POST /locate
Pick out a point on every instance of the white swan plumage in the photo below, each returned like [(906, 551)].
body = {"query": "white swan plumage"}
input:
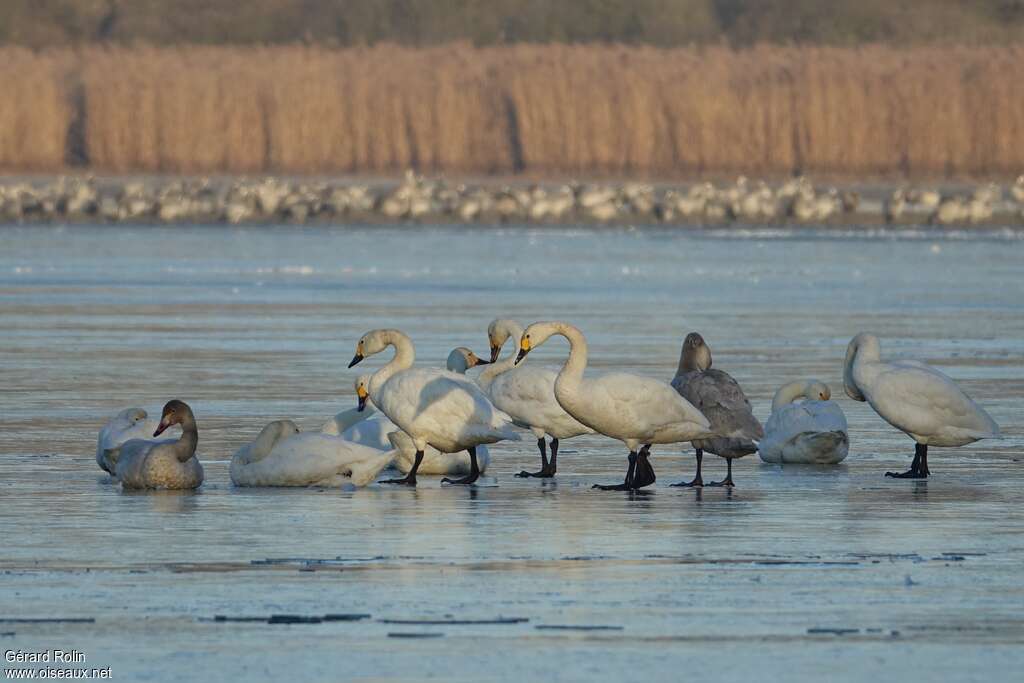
[(434, 407), (168, 464), (638, 411), (283, 456), (527, 394), (376, 428), (916, 399), (810, 431), (130, 423)]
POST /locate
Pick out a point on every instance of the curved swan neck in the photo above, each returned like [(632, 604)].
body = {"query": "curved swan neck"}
[(863, 349), (185, 446), (691, 359), (572, 371), (405, 356), (788, 393), (505, 329)]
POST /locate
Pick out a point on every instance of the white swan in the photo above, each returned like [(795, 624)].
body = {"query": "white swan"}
[(163, 464), (812, 431), (434, 461), (721, 399), (527, 394), (364, 425), (435, 407), (638, 411), (282, 456), (916, 399), (130, 423)]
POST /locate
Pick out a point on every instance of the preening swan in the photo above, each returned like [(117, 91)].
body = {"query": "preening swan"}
[(163, 464), (916, 399), (812, 431), (638, 411), (527, 394), (282, 456), (716, 394), (434, 407), (130, 423)]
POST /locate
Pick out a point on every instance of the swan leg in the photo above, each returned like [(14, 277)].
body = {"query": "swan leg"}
[(728, 477), (474, 471), (918, 467), (547, 469), (643, 475), (625, 485), (409, 479), (698, 481)]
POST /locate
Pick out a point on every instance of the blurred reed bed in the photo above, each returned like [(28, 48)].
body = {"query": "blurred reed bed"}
[(525, 108)]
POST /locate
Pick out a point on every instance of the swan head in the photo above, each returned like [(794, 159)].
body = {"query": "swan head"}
[(864, 345), (695, 355), (371, 343), (133, 415), (462, 359), (175, 412), (534, 335), (498, 332), (362, 387), (817, 391)]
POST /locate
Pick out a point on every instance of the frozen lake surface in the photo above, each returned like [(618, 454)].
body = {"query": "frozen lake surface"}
[(797, 574)]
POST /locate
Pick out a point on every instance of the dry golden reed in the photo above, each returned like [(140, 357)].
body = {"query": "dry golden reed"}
[(549, 109)]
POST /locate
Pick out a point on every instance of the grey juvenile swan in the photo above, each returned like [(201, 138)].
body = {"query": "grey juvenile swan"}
[(720, 398)]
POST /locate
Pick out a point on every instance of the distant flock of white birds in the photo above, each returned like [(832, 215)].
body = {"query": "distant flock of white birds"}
[(432, 421), (416, 198)]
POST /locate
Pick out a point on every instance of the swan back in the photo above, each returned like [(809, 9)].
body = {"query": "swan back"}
[(265, 442), (915, 398), (130, 423)]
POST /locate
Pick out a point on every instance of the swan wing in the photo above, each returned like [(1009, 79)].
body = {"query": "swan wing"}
[(719, 397), (920, 400), (443, 404), (307, 459), (642, 401)]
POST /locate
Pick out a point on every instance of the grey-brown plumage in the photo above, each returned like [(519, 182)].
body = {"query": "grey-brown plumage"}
[(720, 398)]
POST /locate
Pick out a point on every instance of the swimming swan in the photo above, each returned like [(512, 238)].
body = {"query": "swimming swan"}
[(916, 399), (435, 407), (716, 394), (633, 409), (527, 394), (282, 456), (130, 423), (163, 464), (812, 431)]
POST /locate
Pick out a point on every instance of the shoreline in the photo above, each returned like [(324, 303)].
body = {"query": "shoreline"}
[(293, 200)]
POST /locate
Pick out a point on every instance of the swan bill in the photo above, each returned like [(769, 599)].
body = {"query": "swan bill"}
[(355, 360)]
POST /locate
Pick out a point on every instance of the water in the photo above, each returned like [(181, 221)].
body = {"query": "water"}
[(922, 579)]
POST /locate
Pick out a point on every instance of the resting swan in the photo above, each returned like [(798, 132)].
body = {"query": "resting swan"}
[(916, 399), (435, 407), (527, 394), (281, 456), (812, 431), (633, 409), (163, 464), (719, 397), (131, 423)]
